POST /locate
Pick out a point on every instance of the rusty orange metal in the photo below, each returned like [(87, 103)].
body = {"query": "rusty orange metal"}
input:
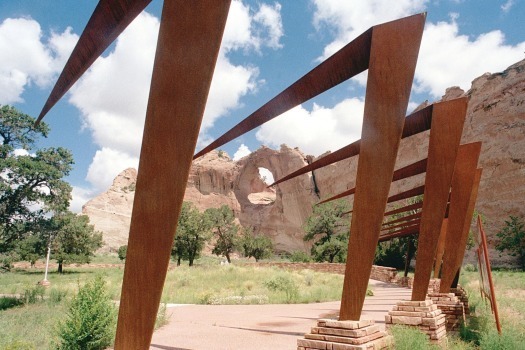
[(109, 19)]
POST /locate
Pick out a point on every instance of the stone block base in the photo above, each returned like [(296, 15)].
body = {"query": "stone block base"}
[(424, 315), (462, 296), (345, 335), (449, 304)]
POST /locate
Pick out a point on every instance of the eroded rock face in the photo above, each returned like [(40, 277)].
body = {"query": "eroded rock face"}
[(495, 116)]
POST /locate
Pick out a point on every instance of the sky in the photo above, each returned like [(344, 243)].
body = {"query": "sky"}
[(267, 45)]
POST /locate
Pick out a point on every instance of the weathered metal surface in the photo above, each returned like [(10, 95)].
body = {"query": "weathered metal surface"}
[(464, 194), (393, 56), (341, 66), (407, 231), (440, 248), (404, 218), (415, 123), (413, 169), (409, 207), (445, 135), (109, 19), (413, 192), (408, 222), (188, 46)]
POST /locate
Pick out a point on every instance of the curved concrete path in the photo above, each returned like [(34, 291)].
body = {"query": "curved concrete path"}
[(260, 327)]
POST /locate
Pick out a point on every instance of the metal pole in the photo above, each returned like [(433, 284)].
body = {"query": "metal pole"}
[(47, 262)]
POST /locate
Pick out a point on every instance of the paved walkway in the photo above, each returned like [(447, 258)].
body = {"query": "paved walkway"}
[(260, 327)]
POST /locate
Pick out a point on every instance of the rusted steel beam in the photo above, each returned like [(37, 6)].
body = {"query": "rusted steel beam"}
[(413, 169), (445, 136), (407, 231), (393, 56), (413, 192), (407, 222), (415, 123), (109, 19), (462, 207), (440, 248), (404, 218), (414, 206), (341, 66), (187, 49)]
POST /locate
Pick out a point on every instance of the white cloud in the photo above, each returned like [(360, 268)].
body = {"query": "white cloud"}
[(106, 165), (350, 18), (507, 6), (80, 197), (241, 152), (266, 175), (318, 130), (448, 58), (26, 59), (112, 95)]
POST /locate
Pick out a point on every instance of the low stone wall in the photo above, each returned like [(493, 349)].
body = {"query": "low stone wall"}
[(379, 273)]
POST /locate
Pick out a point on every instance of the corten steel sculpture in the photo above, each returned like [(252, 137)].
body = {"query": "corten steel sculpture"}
[(463, 200), (445, 136), (408, 231), (413, 169), (415, 123), (188, 45), (408, 222), (354, 58), (440, 250), (109, 19), (387, 93)]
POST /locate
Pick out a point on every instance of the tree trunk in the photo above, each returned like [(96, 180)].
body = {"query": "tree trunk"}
[(228, 258), (60, 267), (178, 261)]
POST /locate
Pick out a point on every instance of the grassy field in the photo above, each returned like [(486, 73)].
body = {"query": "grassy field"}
[(30, 321)]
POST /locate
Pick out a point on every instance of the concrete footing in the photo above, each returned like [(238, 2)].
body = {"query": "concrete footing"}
[(345, 335)]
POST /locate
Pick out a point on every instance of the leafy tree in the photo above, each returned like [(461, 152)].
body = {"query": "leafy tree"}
[(256, 246), (328, 227), (72, 238), (90, 321), (31, 248), (122, 252), (193, 231), (512, 239), (31, 185), (225, 230)]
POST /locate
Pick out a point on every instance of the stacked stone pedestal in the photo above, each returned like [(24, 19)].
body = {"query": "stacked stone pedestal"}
[(449, 304), (345, 335), (462, 296), (421, 314)]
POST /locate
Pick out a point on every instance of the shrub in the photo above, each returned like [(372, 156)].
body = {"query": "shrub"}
[(300, 256), (33, 294), (512, 239), (57, 295), (90, 320), (122, 251), (9, 302), (284, 284)]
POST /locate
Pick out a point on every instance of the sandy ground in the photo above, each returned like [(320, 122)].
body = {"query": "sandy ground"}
[(259, 327)]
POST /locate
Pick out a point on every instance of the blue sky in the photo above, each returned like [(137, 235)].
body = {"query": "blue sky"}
[(267, 46)]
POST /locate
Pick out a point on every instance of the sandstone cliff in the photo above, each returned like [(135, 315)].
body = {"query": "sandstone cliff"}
[(495, 116)]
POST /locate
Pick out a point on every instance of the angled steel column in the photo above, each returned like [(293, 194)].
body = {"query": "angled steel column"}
[(188, 46), (393, 56), (466, 189), (445, 135), (440, 248)]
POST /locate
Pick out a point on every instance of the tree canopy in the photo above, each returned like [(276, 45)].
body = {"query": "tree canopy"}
[(224, 229), (329, 228), (31, 184), (193, 231)]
